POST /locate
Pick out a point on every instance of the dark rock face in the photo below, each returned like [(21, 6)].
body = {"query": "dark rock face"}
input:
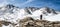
[(29, 10), (50, 10), (6, 23), (32, 8), (10, 6)]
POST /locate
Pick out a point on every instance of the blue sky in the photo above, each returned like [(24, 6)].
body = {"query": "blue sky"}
[(55, 4)]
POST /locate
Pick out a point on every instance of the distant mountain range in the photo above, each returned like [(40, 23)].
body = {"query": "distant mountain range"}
[(13, 14)]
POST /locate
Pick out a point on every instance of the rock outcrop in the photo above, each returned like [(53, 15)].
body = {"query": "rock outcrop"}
[(30, 22)]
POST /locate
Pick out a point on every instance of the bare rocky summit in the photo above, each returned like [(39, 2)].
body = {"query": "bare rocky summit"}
[(30, 22)]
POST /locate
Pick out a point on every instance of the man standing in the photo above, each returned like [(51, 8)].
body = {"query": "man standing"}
[(41, 17)]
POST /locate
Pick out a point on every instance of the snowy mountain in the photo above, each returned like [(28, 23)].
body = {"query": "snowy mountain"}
[(13, 14)]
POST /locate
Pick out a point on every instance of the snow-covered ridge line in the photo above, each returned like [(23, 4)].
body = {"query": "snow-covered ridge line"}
[(14, 14)]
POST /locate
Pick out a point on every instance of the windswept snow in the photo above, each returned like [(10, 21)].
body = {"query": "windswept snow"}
[(53, 18), (14, 14)]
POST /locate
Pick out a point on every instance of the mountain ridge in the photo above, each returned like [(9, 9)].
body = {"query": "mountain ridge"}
[(12, 13)]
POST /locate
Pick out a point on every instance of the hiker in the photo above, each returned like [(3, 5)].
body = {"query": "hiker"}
[(41, 17)]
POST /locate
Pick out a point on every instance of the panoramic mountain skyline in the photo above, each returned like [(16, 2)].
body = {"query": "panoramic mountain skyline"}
[(55, 4), (13, 12)]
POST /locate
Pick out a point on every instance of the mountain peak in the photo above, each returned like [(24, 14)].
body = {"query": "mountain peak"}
[(10, 6), (47, 9)]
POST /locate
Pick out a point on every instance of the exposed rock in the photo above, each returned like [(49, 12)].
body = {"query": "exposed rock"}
[(28, 22), (6, 23)]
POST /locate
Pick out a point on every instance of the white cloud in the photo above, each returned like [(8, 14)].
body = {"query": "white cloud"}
[(28, 1), (17, 4), (12, 0), (5, 2)]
